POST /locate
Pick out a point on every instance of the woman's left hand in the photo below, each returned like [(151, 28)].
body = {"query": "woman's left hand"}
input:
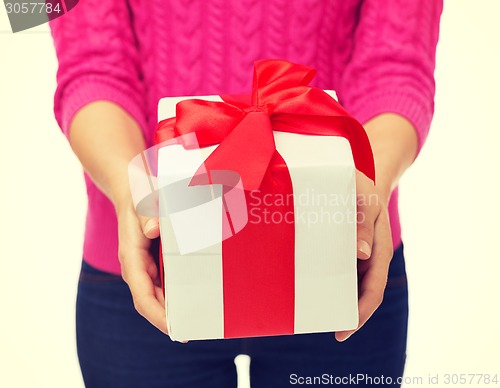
[(374, 248)]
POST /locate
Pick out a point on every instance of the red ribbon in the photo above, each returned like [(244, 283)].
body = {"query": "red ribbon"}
[(281, 100)]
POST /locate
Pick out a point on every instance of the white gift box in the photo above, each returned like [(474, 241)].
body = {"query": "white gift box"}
[(193, 220)]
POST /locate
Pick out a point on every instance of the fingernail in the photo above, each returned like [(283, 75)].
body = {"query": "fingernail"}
[(364, 247), (346, 337), (341, 338), (150, 225)]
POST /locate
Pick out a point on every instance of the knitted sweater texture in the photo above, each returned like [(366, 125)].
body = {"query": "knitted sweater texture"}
[(379, 56)]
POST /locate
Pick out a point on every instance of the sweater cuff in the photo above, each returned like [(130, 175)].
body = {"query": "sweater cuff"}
[(92, 88), (417, 112)]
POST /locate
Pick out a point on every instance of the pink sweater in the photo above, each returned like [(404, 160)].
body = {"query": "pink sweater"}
[(379, 55)]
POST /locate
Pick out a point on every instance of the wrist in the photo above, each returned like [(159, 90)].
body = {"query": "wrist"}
[(394, 144), (121, 199), (384, 191), (105, 138)]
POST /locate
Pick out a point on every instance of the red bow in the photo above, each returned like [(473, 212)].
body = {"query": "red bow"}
[(281, 100)]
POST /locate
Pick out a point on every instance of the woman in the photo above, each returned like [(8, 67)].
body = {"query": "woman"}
[(117, 58)]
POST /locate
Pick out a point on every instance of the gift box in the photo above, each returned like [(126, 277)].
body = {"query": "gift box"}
[(257, 209)]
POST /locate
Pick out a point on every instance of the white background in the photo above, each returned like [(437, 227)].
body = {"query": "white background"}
[(449, 206)]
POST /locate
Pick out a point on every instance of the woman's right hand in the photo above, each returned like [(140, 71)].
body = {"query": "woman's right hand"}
[(105, 138), (138, 267)]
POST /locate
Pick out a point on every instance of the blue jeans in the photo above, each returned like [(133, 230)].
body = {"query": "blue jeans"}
[(118, 348)]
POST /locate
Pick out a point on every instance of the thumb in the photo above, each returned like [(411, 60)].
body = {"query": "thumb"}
[(150, 227), (365, 241), (366, 214), (366, 217)]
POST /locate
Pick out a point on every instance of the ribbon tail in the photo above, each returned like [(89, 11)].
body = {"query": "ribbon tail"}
[(165, 130), (247, 150)]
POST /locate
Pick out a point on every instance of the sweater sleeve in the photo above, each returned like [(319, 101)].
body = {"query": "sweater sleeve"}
[(393, 61), (98, 60)]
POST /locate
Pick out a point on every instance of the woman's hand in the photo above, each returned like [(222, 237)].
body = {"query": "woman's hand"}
[(394, 144), (138, 267), (374, 248), (105, 138)]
